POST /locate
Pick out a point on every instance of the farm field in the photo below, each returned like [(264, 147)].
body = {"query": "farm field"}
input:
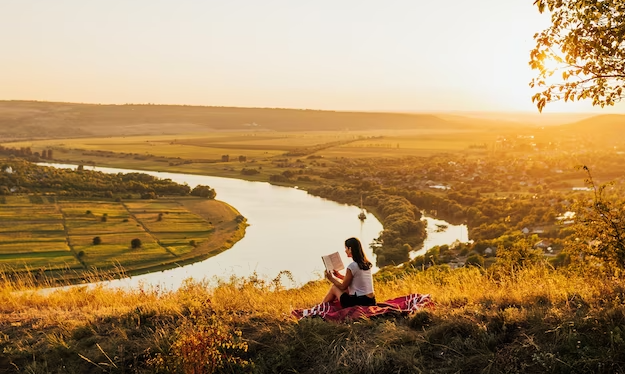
[(57, 236), (264, 151), (266, 144)]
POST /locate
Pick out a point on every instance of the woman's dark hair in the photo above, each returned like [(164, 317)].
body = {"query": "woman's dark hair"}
[(358, 255)]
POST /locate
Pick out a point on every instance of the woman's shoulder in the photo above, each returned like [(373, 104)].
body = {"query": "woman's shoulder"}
[(353, 266)]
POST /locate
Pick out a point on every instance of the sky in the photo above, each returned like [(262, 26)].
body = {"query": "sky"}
[(397, 55)]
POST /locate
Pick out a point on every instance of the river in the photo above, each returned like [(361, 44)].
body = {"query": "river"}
[(288, 230)]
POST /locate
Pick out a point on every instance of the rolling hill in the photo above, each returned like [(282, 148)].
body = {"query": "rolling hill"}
[(31, 119)]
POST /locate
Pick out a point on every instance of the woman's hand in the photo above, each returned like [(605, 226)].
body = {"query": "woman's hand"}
[(337, 274), (329, 276)]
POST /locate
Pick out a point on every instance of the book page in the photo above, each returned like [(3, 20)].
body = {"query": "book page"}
[(333, 262)]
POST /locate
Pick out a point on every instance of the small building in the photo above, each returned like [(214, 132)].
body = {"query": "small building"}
[(543, 244)]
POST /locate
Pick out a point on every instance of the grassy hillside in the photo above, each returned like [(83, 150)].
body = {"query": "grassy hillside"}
[(531, 320), (27, 119)]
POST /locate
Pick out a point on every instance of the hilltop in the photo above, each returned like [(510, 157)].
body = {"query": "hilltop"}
[(533, 320)]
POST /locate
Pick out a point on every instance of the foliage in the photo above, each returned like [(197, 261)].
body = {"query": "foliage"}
[(475, 259), (87, 183), (515, 256), (135, 243), (97, 240), (586, 41), (203, 191), (149, 195), (250, 171), (203, 344), (600, 226)]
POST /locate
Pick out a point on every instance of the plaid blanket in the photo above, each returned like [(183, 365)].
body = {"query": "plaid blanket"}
[(399, 306)]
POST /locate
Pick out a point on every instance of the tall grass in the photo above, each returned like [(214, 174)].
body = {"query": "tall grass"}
[(533, 320)]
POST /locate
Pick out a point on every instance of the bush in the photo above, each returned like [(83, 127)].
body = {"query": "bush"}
[(97, 240), (474, 260), (149, 195), (204, 191), (251, 171), (135, 243)]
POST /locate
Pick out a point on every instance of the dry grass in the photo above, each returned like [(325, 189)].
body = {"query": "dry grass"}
[(536, 320)]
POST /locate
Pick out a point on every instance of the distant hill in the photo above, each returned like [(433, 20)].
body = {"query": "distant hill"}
[(607, 124), (519, 118), (32, 119)]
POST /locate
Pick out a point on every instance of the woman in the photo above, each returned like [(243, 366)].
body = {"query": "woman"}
[(356, 286)]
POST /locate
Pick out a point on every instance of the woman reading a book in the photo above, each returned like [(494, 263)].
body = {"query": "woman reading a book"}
[(356, 286)]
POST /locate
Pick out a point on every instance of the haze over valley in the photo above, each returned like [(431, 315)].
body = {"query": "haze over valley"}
[(172, 174)]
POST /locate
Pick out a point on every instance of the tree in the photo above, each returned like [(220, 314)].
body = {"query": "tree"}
[(135, 243), (585, 45), (97, 240), (599, 226), (204, 191)]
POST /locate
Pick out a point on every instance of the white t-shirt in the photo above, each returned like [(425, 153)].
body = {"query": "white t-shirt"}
[(362, 284)]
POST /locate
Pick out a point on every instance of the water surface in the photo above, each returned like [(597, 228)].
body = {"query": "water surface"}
[(289, 230)]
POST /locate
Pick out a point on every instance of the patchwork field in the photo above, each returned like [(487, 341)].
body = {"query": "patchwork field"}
[(258, 145), (55, 235)]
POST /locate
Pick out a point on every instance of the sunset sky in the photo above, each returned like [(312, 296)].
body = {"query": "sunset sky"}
[(398, 55)]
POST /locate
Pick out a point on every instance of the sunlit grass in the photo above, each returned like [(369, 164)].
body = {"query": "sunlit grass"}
[(534, 312)]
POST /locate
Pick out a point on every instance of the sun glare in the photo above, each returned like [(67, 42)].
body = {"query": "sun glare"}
[(551, 65)]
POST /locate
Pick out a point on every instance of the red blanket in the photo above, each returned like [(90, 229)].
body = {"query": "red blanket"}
[(333, 311)]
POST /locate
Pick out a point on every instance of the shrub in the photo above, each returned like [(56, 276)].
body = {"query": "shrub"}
[(136, 243), (97, 240), (204, 345), (474, 260), (149, 195), (204, 191)]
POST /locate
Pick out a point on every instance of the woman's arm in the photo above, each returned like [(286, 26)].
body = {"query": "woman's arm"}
[(338, 275), (344, 284)]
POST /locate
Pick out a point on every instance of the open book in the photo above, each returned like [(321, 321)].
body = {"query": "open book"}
[(333, 262)]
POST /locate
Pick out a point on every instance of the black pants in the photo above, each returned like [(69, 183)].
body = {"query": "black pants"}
[(348, 300)]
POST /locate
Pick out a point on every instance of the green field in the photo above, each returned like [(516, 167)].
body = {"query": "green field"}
[(58, 235)]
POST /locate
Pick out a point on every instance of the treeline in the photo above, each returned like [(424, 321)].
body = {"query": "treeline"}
[(19, 176), (26, 152)]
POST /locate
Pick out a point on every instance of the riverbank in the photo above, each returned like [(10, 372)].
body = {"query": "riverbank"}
[(283, 233)]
